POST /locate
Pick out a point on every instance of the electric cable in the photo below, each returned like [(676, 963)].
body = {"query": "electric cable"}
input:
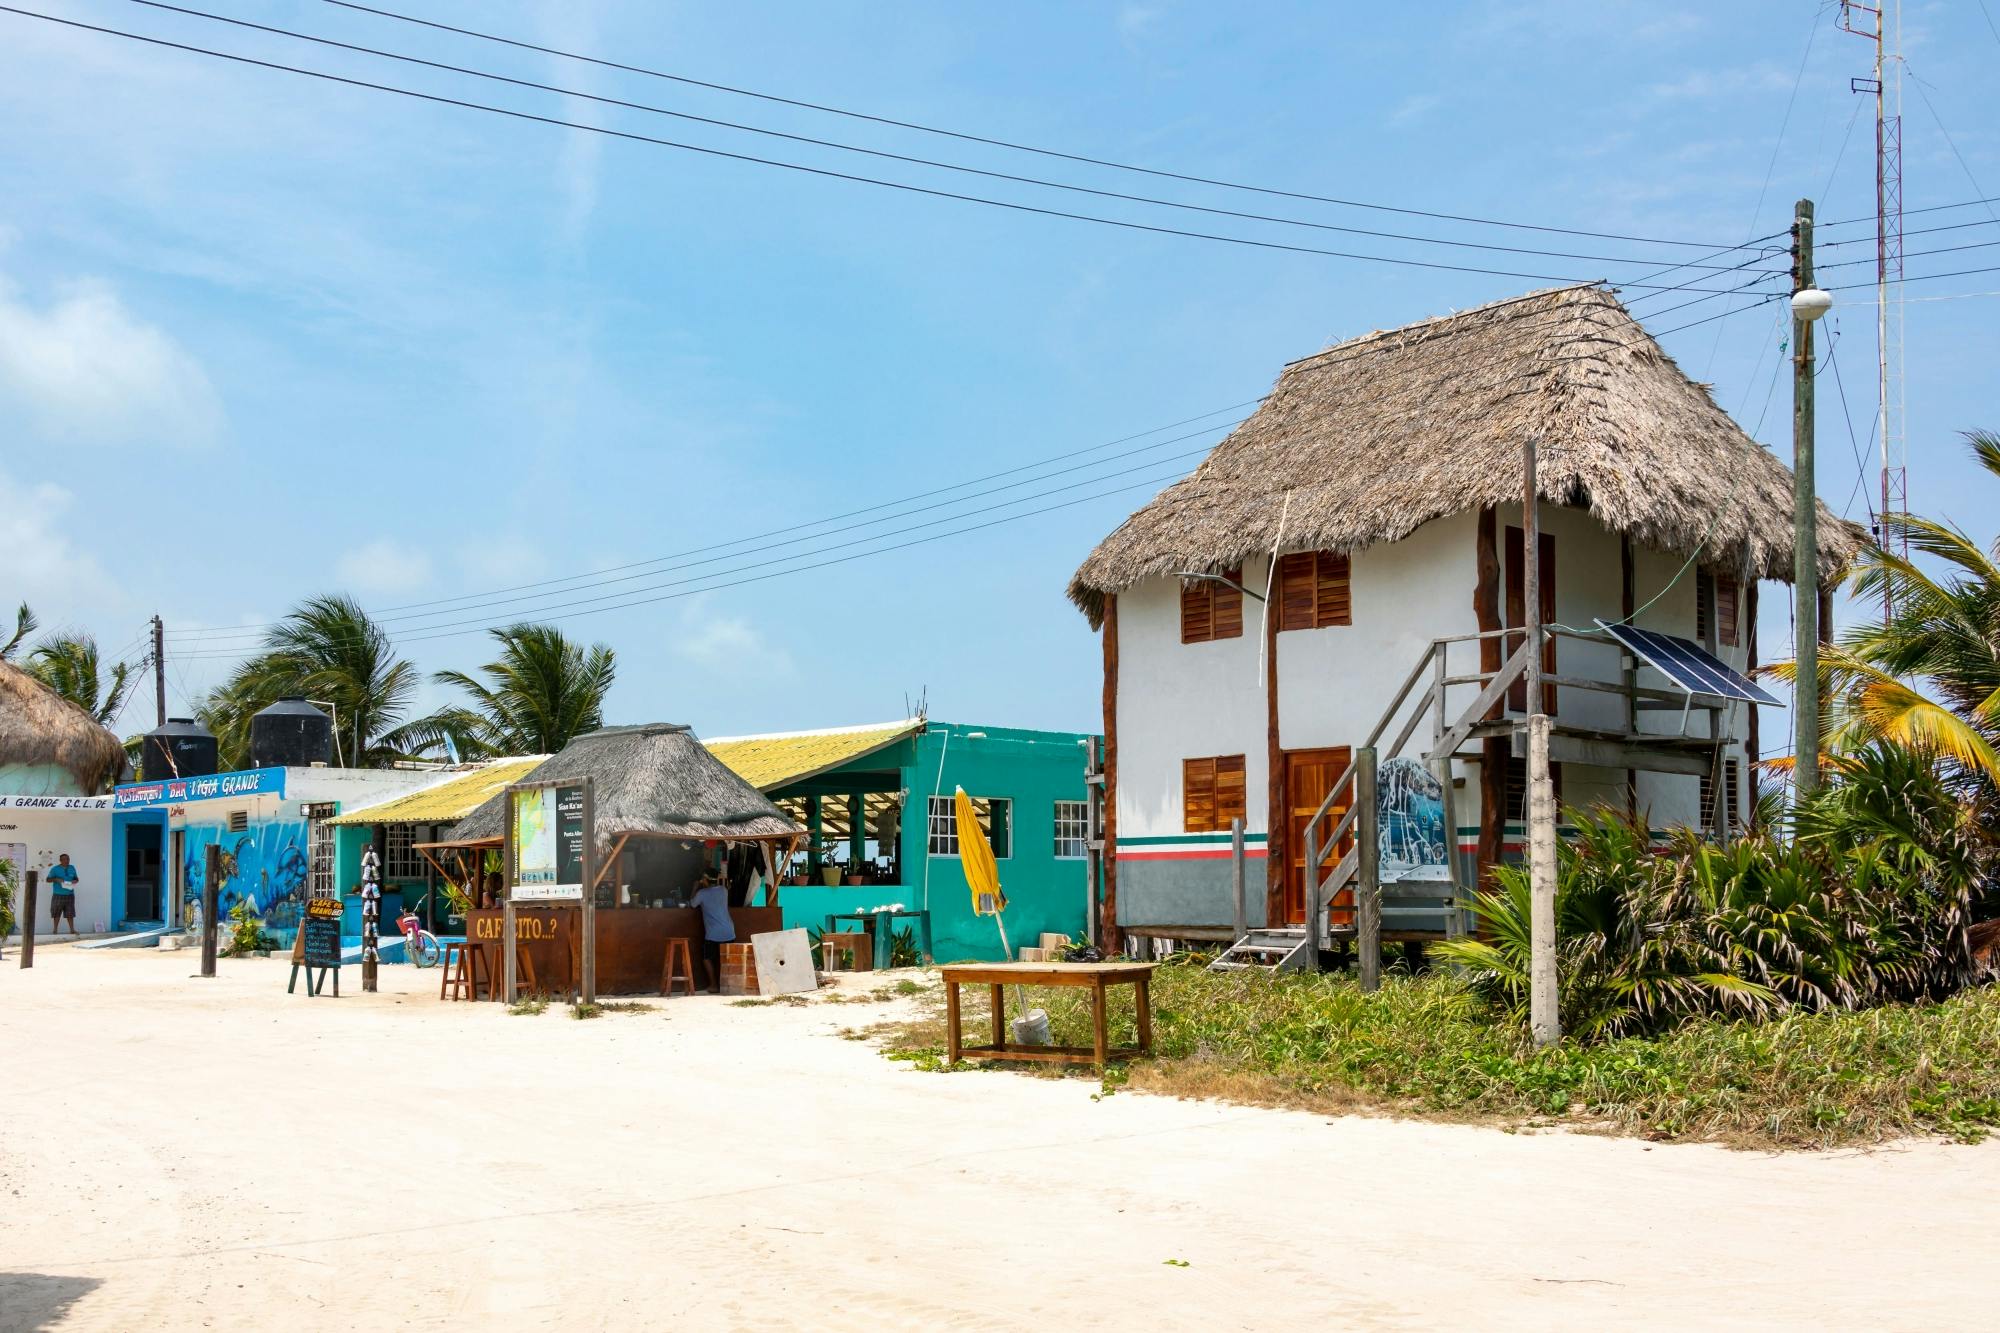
[(999, 143), (633, 136)]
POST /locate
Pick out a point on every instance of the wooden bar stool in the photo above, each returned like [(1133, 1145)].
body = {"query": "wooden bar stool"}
[(456, 983), (854, 945), (677, 963)]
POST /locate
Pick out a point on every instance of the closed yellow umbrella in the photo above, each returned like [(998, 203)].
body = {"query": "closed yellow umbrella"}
[(982, 872)]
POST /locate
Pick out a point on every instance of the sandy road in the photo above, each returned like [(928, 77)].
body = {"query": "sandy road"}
[(185, 1154)]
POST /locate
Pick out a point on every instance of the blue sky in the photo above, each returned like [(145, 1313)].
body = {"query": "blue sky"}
[(263, 336)]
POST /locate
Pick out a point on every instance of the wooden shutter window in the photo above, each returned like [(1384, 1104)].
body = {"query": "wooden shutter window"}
[(1213, 792), (1728, 596), (1314, 590), (1211, 610)]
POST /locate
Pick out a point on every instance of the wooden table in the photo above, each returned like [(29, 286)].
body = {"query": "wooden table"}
[(1099, 977)]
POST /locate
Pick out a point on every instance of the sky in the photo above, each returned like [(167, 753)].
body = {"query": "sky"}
[(264, 336)]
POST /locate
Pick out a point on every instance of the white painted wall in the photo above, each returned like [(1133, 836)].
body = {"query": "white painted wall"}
[(1185, 701), (45, 834)]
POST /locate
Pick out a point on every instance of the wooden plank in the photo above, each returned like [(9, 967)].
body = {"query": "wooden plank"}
[(1099, 1026), (1112, 937), (1050, 1054), (1142, 1000), (1611, 754), (999, 1015), (952, 1040), (1045, 974)]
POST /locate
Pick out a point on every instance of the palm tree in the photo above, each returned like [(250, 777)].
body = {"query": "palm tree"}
[(1928, 677), (542, 691), (70, 665), (329, 650), (24, 625)]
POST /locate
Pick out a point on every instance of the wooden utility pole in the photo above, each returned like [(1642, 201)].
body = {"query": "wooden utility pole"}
[(159, 675), (1544, 1019), (1805, 522), (28, 910), (211, 893)]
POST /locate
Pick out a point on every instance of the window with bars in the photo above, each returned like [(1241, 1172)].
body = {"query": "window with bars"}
[(1732, 795), (319, 858), (400, 858), (1728, 598), (996, 819), (1212, 610), (1213, 792), (1314, 590), (1072, 830)]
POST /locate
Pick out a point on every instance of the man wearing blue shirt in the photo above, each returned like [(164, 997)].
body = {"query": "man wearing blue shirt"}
[(711, 896), (62, 895)]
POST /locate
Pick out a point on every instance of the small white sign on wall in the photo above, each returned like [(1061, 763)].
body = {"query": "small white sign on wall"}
[(784, 962)]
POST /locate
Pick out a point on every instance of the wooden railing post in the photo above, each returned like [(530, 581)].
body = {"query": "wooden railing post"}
[(29, 909), (1368, 874), (1312, 896), (1236, 876)]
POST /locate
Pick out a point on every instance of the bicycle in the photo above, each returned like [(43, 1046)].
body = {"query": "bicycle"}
[(419, 945)]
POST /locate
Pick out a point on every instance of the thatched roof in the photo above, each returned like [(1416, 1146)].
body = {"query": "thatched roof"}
[(44, 738), (1379, 435), (649, 779)]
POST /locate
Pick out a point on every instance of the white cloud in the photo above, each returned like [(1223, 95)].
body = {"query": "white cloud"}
[(84, 368), (1703, 84), (1134, 21), (1413, 109), (49, 563), (384, 565), (727, 645)]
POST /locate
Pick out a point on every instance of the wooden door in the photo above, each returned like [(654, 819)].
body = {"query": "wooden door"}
[(1309, 776), (1517, 613)]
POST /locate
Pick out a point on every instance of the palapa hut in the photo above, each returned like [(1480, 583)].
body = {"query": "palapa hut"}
[(666, 811), (49, 746), (1385, 476)]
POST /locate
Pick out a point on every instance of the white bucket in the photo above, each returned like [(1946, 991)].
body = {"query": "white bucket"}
[(1032, 1028)]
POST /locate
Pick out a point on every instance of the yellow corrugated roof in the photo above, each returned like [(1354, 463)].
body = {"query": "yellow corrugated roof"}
[(444, 802), (782, 758)]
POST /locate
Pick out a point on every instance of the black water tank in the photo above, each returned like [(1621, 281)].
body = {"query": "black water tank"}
[(291, 733), (181, 748)]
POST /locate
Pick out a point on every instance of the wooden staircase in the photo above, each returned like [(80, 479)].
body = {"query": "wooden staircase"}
[(1281, 949)]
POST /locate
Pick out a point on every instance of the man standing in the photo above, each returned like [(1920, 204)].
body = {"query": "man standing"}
[(62, 895), (711, 897)]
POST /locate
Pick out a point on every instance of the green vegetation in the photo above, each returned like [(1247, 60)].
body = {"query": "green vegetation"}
[(1430, 1046), (246, 931), (543, 691), (9, 885), (71, 665), (528, 1006)]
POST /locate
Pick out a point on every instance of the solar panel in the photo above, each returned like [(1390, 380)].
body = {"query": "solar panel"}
[(1689, 665)]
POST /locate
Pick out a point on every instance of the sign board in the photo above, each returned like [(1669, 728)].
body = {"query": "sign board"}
[(548, 843), (318, 946), (318, 809), (249, 782)]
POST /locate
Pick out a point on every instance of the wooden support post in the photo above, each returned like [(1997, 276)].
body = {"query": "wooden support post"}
[(1494, 749), (31, 908), (210, 894), (589, 916), (1368, 872), (1545, 1018), (1236, 878), (857, 833), (1453, 923), (815, 829), (510, 974), (1309, 888)]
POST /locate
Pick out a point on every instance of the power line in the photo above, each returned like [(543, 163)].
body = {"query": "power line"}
[(1919, 231), (999, 143), (906, 187), (1921, 277), (625, 599), (1908, 213), (889, 156), (1916, 254), (1847, 415)]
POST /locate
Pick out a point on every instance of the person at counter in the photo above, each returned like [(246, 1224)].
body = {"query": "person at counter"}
[(711, 898), (490, 896)]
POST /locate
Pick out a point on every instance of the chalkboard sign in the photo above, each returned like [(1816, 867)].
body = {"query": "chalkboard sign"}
[(318, 948)]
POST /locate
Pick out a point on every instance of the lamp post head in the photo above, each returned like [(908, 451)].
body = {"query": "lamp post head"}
[(1809, 303)]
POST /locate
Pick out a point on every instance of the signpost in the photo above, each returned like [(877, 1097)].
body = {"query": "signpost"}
[(318, 947), (211, 894), (550, 857)]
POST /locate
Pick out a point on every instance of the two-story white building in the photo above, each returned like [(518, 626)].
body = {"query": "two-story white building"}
[(1342, 569)]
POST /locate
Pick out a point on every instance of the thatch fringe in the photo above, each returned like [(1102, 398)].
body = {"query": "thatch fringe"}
[(1379, 435), (648, 779), (39, 729)]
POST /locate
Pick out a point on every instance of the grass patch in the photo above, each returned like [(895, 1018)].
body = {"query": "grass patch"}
[(528, 1005), (1426, 1046), (585, 1009), (626, 1007)]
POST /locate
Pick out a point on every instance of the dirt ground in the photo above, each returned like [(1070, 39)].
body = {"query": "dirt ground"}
[(178, 1153)]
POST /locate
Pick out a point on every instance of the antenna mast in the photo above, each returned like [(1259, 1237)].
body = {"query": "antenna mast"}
[(1887, 85)]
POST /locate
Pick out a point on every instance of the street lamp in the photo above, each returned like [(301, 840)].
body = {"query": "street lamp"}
[(1224, 580)]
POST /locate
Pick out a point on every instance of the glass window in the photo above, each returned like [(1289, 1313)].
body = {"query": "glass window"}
[(996, 818), (1072, 829)]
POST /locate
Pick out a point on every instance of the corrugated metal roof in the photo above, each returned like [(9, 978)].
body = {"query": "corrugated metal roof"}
[(444, 802), (781, 758)]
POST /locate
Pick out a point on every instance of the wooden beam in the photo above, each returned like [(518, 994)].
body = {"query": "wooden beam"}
[(1114, 940), (1493, 755), (1277, 834), (1610, 754)]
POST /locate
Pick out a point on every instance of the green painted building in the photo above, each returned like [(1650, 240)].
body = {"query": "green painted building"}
[(877, 802)]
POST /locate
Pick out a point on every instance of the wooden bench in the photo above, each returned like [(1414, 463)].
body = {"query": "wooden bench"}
[(1098, 977)]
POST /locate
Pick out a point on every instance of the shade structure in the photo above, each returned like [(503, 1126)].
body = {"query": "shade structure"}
[(49, 746)]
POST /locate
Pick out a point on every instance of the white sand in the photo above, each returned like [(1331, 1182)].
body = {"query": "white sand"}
[(189, 1154)]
